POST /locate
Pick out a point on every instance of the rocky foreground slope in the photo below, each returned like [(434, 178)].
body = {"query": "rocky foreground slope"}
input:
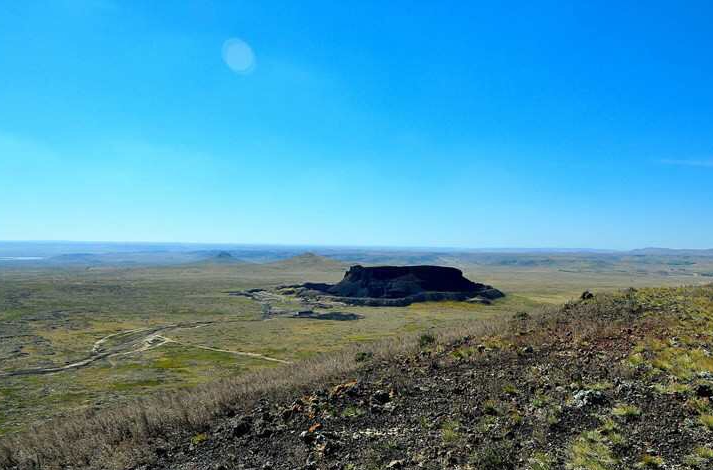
[(619, 381), (605, 383)]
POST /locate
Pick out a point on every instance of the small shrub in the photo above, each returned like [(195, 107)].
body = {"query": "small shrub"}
[(486, 424), (497, 456), (521, 316), (199, 438), (609, 426), (683, 363), (540, 461), (591, 451), (702, 458), (599, 386), (450, 432), (636, 359), (627, 411), (541, 400), (617, 439), (650, 461), (673, 388), (426, 339), (707, 421), (553, 415), (352, 412), (363, 356), (462, 353), (610, 429), (516, 417), (698, 405), (490, 407)]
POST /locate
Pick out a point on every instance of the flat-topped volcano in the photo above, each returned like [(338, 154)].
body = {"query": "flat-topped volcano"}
[(402, 285), (393, 282)]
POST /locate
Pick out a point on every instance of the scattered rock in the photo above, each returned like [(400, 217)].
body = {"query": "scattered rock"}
[(239, 426), (307, 437), (585, 398), (704, 390), (381, 397), (586, 295)]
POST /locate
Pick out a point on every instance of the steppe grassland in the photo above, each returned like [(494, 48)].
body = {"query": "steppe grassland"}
[(56, 317), (52, 317)]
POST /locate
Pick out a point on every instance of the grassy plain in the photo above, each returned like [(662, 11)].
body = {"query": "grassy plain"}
[(188, 330)]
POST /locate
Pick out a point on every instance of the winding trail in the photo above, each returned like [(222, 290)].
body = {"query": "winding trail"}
[(137, 340), (97, 345), (237, 353)]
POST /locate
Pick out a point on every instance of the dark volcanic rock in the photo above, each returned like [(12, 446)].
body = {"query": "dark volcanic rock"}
[(338, 316), (392, 282), (403, 285)]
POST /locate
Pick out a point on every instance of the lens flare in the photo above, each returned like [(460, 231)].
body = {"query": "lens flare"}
[(239, 56)]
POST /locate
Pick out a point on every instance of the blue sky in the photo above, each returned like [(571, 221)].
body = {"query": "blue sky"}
[(358, 123)]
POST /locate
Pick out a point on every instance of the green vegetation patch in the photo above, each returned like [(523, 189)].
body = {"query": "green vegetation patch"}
[(626, 411), (700, 459), (541, 461), (707, 421), (591, 451), (650, 461), (450, 432)]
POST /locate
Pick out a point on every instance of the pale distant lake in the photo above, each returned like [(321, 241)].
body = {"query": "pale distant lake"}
[(19, 258)]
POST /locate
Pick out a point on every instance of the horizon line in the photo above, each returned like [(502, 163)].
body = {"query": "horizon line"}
[(357, 246)]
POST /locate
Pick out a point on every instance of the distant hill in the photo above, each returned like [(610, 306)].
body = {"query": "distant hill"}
[(143, 258), (671, 252), (121, 254), (308, 261), (214, 257), (223, 255), (76, 258)]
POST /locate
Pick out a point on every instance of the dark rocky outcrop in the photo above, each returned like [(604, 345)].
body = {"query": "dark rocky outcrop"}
[(403, 285), (338, 316)]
